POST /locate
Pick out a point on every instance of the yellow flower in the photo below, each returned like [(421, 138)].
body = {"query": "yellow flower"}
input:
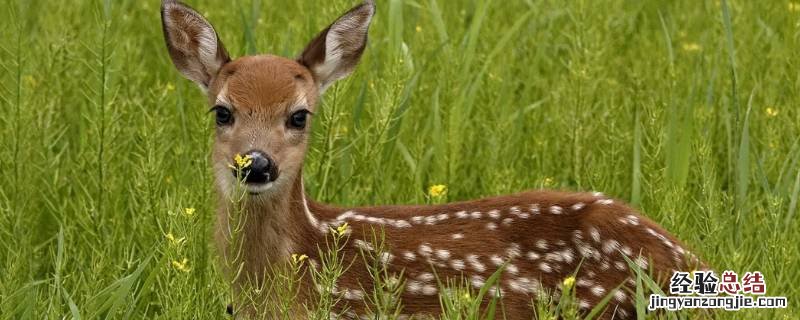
[(418, 28), (771, 112), (548, 181), (793, 6), (182, 266), (241, 162), (569, 282), (437, 190), (691, 47), (342, 229), (298, 258), (174, 241), (189, 212), (170, 86)]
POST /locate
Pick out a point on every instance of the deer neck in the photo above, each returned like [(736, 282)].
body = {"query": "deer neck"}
[(276, 225)]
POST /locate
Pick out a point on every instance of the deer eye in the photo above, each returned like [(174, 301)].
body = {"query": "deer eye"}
[(223, 114), (298, 119)]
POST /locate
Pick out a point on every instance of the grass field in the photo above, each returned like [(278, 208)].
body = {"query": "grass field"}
[(687, 109)]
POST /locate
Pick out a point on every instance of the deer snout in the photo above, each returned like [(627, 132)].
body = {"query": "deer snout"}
[(262, 169)]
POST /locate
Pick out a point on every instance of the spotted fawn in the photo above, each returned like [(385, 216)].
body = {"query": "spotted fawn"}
[(263, 106)]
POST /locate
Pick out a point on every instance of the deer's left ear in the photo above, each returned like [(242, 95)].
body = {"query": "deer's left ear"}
[(335, 52)]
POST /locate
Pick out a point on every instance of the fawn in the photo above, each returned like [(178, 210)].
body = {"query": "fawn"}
[(263, 106)]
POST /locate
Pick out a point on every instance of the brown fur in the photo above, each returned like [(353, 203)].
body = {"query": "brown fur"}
[(584, 234)]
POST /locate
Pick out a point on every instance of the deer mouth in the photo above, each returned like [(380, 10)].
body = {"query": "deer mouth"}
[(258, 188)]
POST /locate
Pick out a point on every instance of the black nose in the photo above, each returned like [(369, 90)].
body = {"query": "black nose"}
[(261, 170)]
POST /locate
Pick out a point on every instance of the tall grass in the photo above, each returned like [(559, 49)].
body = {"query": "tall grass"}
[(688, 109)]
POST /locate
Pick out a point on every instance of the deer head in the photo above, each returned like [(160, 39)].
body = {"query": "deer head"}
[(263, 104)]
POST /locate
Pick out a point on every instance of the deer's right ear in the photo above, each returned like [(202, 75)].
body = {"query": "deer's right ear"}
[(193, 44)]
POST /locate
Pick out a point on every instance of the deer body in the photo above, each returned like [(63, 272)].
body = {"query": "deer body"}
[(262, 105)]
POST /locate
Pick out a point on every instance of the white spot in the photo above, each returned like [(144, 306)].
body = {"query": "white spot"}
[(513, 251), (457, 264), (495, 291), (413, 286), (567, 255), (532, 255), (346, 215), (641, 262), (512, 269), (386, 257), (619, 265), (545, 267), (353, 294), (507, 221), (627, 250), (583, 304), (457, 236), (425, 277), (598, 291), (541, 244), (578, 206), (462, 214), (430, 220), (605, 265), (494, 214), (556, 210), (534, 208), (619, 295), (428, 290), (632, 219), (443, 254), (584, 283), (410, 256), (475, 263), (442, 216), (594, 234), (363, 245), (491, 226), (416, 219), (477, 281), (611, 246), (605, 202), (425, 250), (475, 215), (552, 256), (577, 235), (496, 259), (401, 224)]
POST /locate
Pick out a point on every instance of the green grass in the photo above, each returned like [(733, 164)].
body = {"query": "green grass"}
[(689, 109)]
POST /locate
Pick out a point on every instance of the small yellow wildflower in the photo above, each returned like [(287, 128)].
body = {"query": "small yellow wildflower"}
[(182, 266), (418, 28), (437, 190), (341, 230), (241, 162), (170, 86), (189, 211), (298, 258), (691, 47), (771, 112), (173, 240), (793, 6), (569, 282), (548, 181)]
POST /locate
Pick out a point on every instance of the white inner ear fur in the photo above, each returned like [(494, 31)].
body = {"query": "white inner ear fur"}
[(346, 34), (206, 53)]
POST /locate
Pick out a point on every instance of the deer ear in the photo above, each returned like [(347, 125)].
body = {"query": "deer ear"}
[(193, 44), (335, 52)]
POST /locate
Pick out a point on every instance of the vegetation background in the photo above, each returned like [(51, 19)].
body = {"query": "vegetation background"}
[(687, 109)]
